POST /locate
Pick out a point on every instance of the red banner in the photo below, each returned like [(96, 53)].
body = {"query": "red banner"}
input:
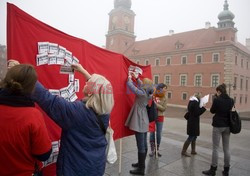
[(23, 34)]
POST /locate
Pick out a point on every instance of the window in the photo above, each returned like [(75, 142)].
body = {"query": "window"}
[(236, 60), (156, 79), (241, 99), (215, 57), (235, 83), (241, 83), (169, 95), (198, 59), (184, 60), (168, 61), (184, 96), (198, 80), (215, 80), (183, 79), (246, 85), (167, 79), (146, 62), (247, 65), (235, 99), (246, 99), (241, 63), (138, 61), (157, 62)]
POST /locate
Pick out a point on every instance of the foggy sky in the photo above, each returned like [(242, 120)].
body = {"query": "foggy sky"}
[(88, 19)]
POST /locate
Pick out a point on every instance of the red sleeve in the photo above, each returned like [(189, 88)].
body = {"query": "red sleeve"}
[(40, 141)]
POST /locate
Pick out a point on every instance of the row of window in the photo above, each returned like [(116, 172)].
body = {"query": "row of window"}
[(199, 59), (241, 62), (235, 86), (184, 96), (215, 80)]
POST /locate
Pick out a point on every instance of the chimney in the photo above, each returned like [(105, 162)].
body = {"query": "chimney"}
[(248, 43), (171, 32), (207, 25)]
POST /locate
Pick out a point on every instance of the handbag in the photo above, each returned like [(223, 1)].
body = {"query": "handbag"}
[(186, 116), (234, 122), (152, 111), (111, 150)]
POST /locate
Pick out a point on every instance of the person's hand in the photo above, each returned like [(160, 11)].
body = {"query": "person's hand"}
[(77, 67), (11, 63)]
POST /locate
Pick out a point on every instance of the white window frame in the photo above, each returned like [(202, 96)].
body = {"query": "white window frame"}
[(185, 79), (168, 58), (158, 79), (145, 62), (195, 80), (157, 59), (182, 60), (183, 94), (170, 77), (212, 79), (171, 94), (218, 57), (197, 58)]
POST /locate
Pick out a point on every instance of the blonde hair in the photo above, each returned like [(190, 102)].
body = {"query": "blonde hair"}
[(101, 98), (147, 83)]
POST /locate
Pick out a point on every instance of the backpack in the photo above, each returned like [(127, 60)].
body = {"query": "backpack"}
[(234, 122), (152, 111)]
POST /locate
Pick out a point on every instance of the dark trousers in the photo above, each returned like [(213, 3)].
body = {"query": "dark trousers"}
[(141, 142)]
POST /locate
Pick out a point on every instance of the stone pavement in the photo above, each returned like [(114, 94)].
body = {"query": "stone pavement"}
[(172, 163)]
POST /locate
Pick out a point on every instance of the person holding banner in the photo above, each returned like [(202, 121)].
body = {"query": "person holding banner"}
[(161, 104), (138, 118), (24, 140), (83, 143)]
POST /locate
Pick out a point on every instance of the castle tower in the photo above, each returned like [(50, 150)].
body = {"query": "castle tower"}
[(121, 27)]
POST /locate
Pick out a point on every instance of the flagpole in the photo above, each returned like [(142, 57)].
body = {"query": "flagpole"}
[(120, 158)]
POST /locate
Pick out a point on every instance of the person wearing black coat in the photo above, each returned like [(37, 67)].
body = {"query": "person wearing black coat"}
[(221, 107), (193, 124)]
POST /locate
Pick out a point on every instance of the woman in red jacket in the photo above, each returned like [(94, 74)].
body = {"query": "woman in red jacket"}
[(23, 136)]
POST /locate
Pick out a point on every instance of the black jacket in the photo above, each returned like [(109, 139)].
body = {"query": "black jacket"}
[(193, 123), (221, 107)]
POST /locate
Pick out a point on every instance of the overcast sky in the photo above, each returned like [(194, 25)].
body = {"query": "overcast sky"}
[(88, 19)]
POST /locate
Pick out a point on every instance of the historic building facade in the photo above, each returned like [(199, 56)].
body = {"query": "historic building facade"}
[(188, 62), (3, 67)]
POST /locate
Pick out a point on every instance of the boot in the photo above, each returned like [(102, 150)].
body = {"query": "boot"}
[(152, 145), (184, 149), (193, 144), (211, 171), (141, 165), (226, 171), (158, 146), (137, 164)]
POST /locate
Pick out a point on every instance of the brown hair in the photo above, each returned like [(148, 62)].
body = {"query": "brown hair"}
[(222, 88), (20, 79)]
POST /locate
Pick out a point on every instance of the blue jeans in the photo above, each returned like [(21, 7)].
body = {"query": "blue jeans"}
[(141, 142), (159, 126), (191, 138)]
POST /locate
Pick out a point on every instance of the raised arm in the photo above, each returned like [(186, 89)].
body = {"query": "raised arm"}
[(57, 108), (80, 69), (133, 88)]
